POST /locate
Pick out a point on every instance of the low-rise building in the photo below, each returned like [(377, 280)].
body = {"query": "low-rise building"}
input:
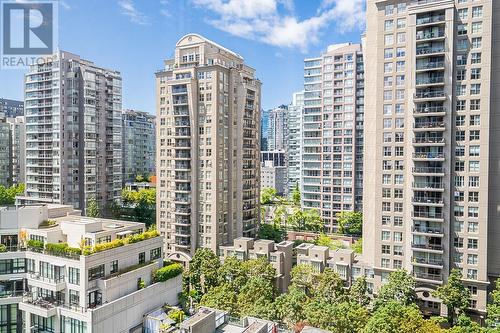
[(273, 177), (78, 274), (279, 255)]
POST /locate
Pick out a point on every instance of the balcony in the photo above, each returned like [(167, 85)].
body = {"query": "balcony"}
[(55, 283), (182, 211), (428, 170), (424, 51), (42, 306), (425, 110), (428, 214), (430, 19), (429, 95), (428, 200), (428, 230), (430, 34), (428, 156), (428, 277), (431, 247), (430, 65), (428, 140), (429, 81), (427, 261)]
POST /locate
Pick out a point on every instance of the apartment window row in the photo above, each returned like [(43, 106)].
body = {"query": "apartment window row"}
[(473, 166), (459, 181)]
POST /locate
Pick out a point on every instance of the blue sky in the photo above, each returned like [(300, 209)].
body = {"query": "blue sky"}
[(134, 36)]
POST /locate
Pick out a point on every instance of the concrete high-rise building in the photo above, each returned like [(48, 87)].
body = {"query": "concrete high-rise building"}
[(277, 136), (294, 147), (17, 149), (73, 132), (431, 153), (11, 108), (332, 132), (208, 148), (139, 142)]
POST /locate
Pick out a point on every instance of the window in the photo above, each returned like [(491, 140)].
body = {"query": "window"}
[(388, 53), (96, 272), (398, 250), (460, 121), (475, 74), (385, 262), (398, 221), (388, 25), (113, 267), (475, 104), (463, 13), (472, 227), (74, 275), (472, 274), (462, 29), (74, 297), (472, 244), (473, 181), (155, 253), (458, 242), (476, 58), (386, 235), (473, 196), (475, 120), (477, 42), (398, 237), (142, 257), (474, 135), (475, 89), (386, 249), (473, 212), (388, 39), (401, 23), (474, 166), (477, 12), (461, 74), (477, 27), (389, 9)]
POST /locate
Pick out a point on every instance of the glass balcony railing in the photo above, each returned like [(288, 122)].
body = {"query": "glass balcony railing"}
[(428, 140), (429, 50), (434, 247), (428, 185), (429, 94), (429, 80), (430, 65), (430, 19), (428, 155), (430, 109), (428, 261), (429, 124), (428, 170), (428, 215)]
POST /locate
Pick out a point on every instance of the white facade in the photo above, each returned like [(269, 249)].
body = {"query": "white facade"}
[(294, 145)]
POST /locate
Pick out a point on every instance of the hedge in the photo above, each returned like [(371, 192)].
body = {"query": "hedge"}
[(167, 272), (36, 244), (62, 249), (87, 250)]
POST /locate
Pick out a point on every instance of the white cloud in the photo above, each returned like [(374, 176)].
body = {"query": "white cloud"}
[(272, 21), (128, 9)]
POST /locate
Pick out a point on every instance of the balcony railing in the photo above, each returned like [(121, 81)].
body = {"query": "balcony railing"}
[(429, 94), (430, 109), (428, 170), (430, 50), (434, 247), (430, 65), (428, 140), (427, 276), (428, 155), (428, 261), (430, 80), (428, 230), (427, 200), (430, 19), (428, 215), (430, 35)]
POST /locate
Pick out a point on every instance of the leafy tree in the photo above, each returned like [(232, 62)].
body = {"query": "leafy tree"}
[(289, 307), (454, 295), (296, 195), (333, 244), (304, 277), (336, 317), (267, 195), (8, 194), (493, 316), (231, 272), (306, 220), (396, 317), (466, 325), (259, 267), (272, 232), (358, 246), (202, 274), (350, 223), (359, 291), (400, 287), (138, 206), (329, 287), (223, 297), (93, 208), (255, 297)]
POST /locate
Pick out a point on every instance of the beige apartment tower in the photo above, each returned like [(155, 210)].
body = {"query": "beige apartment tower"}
[(208, 105), (432, 159)]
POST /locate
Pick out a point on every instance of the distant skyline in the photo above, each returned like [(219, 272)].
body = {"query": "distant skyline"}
[(135, 36)]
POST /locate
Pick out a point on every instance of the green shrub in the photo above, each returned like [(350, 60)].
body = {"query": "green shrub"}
[(120, 242), (35, 244), (62, 249), (3, 248), (167, 272)]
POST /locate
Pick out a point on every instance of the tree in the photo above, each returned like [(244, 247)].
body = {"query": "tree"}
[(202, 274), (493, 316), (231, 272), (296, 195), (272, 232), (350, 223), (329, 287), (400, 287), (289, 307), (8, 194), (267, 195), (466, 325), (454, 295), (222, 297), (255, 297), (259, 267), (93, 208), (336, 317), (138, 206), (333, 244), (359, 291), (306, 220), (357, 247), (395, 317), (304, 277)]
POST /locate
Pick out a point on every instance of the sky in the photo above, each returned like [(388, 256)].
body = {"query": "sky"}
[(135, 36)]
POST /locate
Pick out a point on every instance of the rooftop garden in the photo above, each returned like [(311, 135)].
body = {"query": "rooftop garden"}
[(55, 249), (88, 250)]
